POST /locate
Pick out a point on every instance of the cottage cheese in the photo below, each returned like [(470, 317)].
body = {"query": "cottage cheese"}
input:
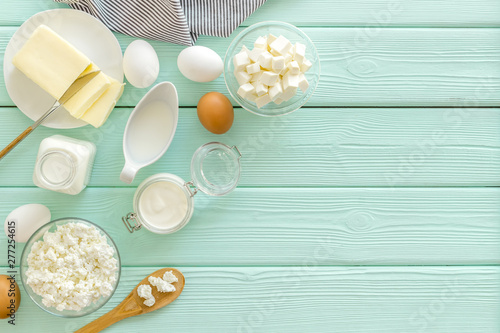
[(162, 284), (145, 291), (170, 277), (72, 267)]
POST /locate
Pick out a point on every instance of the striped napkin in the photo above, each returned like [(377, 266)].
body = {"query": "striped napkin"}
[(174, 21)]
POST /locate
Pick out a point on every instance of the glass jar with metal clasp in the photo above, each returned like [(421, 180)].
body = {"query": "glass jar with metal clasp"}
[(164, 203)]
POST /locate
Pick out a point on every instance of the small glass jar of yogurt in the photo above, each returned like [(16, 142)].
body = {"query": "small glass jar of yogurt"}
[(64, 164), (163, 203)]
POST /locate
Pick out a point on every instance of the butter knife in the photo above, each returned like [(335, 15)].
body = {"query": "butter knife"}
[(72, 90)]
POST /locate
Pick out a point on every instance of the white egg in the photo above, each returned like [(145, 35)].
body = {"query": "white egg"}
[(200, 64), (25, 220), (140, 64)]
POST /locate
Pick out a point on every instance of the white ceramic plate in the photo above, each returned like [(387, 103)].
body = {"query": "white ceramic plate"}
[(82, 30)]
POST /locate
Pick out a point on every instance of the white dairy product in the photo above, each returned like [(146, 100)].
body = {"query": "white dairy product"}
[(170, 277), (276, 70), (150, 129), (145, 291), (50, 61), (253, 68), (276, 91), (281, 45), (246, 89), (160, 284), (242, 77), (303, 83), (269, 78), (262, 100), (163, 205), (150, 301), (278, 64), (261, 43), (293, 67), (241, 60), (64, 164), (72, 267), (265, 60)]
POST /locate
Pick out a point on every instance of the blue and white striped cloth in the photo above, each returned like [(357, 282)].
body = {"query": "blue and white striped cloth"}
[(174, 21)]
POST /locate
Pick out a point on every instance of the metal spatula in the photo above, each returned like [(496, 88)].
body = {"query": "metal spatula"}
[(73, 89)]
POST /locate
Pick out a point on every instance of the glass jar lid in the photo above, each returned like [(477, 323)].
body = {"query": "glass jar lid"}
[(57, 168), (215, 168)]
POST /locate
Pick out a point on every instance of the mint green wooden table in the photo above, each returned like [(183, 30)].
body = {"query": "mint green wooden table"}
[(376, 208)]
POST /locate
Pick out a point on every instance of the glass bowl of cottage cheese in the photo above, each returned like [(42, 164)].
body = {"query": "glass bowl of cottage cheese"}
[(70, 267)]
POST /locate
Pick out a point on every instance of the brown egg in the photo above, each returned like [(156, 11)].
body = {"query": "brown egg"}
[(215, 112), (10, 297)]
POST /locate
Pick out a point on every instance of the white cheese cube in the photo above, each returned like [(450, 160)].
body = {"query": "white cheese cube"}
[(288, 93), (253, 68), (262, 100), (270, 38), (242, 77), (305, 66), (294, 67), (299, 52), (245, 49), (252, 97), (274, 53), (303, 83), (255, 53), (269, 78), (240, 61), (278, 101), (283, 71), (260, 88), (278, 64), (256, 77), (261, 43), (288, 58), (281, 45), (290, 80), (266, 60), (246, 90), (275, 91)]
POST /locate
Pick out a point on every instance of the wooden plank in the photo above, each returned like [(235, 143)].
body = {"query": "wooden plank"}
[(320, 226), (433, 13), (389, 67), (305, 299), (311, 147)]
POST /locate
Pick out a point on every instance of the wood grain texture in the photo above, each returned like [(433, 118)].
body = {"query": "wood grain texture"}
[(377, 67), (409, 226), (311, 147), (299, 299), (423, 13)]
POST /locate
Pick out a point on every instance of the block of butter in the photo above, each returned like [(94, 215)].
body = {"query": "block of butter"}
[(87, 95), (99, 112), (50, 61)]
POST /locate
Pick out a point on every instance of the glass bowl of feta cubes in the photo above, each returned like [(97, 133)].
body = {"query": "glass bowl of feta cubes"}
[(271, 68), (70, 267)]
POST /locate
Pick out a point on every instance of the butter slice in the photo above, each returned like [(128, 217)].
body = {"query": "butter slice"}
[(50, 61), (99, 112), (87, 95)]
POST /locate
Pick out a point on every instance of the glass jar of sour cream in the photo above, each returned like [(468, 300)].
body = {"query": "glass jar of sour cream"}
[(163, 203)]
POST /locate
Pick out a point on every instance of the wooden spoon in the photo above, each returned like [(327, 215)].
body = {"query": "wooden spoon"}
[(133, 305)]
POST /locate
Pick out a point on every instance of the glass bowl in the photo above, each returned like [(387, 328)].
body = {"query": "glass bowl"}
[(247, 37), (37, 236)]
